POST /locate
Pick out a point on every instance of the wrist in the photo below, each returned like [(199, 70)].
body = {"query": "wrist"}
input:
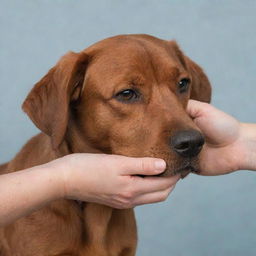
[(68, 177), (55, 175), (248, 147)]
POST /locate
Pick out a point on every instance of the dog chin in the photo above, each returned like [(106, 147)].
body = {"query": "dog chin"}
[(183, 170)]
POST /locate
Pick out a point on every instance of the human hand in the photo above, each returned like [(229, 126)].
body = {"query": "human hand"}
[(230, 145), (111, 179)]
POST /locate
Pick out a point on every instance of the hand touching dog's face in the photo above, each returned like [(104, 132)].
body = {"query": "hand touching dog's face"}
[(125, 95)]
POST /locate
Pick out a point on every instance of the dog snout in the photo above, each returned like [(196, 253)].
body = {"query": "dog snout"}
[(187, 143)]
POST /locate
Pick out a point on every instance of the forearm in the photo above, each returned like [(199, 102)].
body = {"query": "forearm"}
[(25, 191), (248, 133)]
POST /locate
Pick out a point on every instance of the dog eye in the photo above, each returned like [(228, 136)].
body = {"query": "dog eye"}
[(183, 85), (127, 95)]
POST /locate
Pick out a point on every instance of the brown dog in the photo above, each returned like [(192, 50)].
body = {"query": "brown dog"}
[(124, 95)]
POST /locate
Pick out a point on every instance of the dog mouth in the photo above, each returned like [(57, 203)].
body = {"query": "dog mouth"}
[(183, 169)]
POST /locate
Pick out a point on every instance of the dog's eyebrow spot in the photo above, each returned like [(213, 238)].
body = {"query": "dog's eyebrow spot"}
[(174, 72), (137, 80)]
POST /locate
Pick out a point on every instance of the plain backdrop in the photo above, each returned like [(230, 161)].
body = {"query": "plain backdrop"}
[(204, 216)]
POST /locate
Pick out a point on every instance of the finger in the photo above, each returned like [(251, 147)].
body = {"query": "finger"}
[(142, 166), (153, 184), (196, 108), (153, 197)]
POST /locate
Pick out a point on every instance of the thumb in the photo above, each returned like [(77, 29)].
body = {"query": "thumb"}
[(143, 166), (196, 108)]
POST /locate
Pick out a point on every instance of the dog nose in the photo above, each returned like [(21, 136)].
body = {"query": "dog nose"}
[(187, 143)]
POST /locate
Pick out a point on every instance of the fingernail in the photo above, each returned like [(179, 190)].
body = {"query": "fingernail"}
[(160, 165)]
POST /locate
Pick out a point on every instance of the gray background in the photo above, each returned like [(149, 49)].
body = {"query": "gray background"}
[(204, 215)]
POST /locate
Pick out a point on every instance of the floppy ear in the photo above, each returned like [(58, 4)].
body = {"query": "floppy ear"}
[(201, 87), (47, 104)]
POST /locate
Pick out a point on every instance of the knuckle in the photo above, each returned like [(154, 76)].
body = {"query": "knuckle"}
[(142, 165), (166, 184), (127, 195), (145, 163)]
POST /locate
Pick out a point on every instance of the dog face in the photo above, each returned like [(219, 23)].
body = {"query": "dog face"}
[(125, 95)]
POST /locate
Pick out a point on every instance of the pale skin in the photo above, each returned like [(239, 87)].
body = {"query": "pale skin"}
[(111, 180), (99, 178), (230, 145)]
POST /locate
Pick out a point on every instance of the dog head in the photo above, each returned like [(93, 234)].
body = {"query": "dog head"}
[(124, 95)]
